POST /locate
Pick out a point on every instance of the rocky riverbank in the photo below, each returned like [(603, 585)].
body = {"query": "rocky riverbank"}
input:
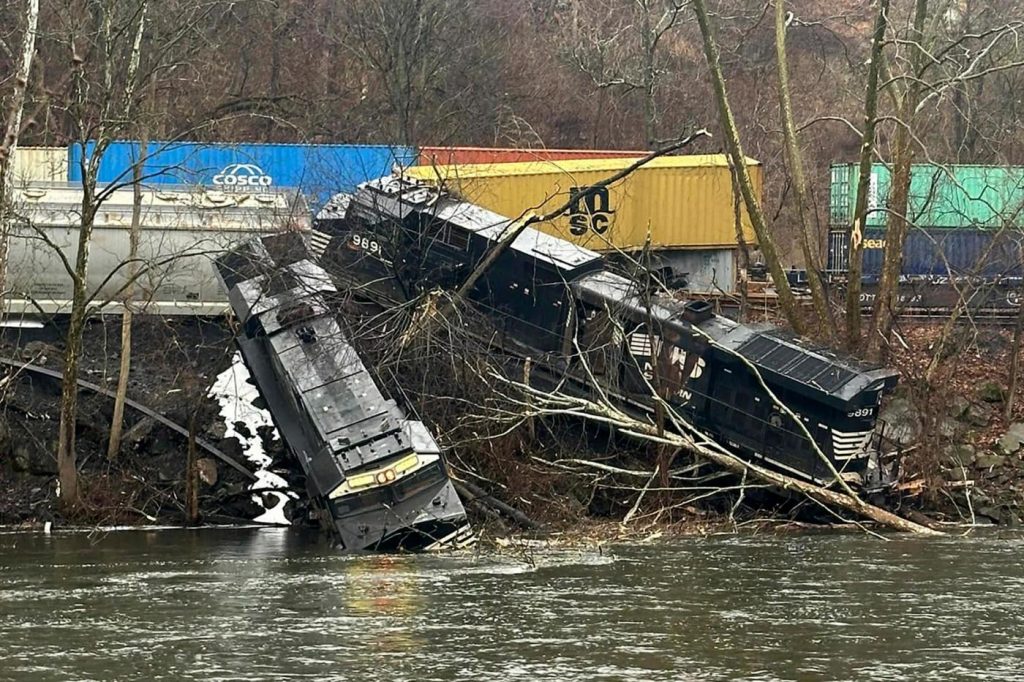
[(964, 457)]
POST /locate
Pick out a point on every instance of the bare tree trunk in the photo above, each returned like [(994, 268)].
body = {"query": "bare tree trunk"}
[(898, 223), (787, 303), (191, 476), (744, 249), (809, 242), (124, 369), (649, 46), (12, 132), (867, 151), (1011, 393), (707, 449), (67, 466), (115, 110), (17, 108)]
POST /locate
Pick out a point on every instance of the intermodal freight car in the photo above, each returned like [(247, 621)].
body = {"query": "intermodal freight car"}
[(560, 303), (316, 170), (376, 478), (966, 234)]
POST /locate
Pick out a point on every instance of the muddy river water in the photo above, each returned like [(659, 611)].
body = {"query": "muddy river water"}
[(258, 604)]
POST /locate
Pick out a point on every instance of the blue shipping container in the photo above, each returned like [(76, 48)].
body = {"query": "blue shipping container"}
[(317, 170), (937, 253)]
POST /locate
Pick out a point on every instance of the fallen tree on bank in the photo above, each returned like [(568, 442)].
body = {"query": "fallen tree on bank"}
[(494, 398), (538, 403)]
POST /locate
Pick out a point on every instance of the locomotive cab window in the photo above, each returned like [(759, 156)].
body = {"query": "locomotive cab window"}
[(456, 238)]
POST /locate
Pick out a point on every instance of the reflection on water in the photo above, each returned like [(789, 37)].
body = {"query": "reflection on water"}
[(386, 594), (273, 604)]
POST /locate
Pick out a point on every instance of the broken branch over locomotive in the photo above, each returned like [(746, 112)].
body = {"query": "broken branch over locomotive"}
[(767, 396), (375, 478)]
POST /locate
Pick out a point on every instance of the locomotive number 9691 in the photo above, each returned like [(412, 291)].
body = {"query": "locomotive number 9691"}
[(361, 242)]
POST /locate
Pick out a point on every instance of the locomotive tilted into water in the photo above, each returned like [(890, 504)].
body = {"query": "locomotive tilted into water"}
[(376, 478), (559, 304)]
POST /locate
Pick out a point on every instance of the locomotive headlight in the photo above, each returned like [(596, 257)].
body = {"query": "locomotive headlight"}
[(377, 477), (403, 465), (360, 481)]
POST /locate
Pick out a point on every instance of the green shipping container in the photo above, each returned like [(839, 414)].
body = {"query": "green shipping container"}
[(967, 197)]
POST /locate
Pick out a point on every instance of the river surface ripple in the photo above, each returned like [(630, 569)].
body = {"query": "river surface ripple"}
[(272, 604)]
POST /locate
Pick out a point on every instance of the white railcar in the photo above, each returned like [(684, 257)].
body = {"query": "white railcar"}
[(182, 230)]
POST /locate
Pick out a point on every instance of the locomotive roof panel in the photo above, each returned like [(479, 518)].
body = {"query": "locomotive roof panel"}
[(336, 207), (270, 292), (344, 407), (399, 198), (796, 362), (531, 242), (556, 251), (602, 287), (815, 369), (338, 393)]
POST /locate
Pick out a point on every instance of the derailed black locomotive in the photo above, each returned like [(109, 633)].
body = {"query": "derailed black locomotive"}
[(558, 303), (376, 479)]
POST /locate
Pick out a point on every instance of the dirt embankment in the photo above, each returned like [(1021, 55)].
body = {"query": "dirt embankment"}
[(173, 365), (964, 458)]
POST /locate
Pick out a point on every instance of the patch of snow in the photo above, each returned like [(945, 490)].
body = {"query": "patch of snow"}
[(273, 514), (235, 395)]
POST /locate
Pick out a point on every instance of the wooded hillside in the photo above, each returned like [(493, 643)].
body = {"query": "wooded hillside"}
[(555, 73)]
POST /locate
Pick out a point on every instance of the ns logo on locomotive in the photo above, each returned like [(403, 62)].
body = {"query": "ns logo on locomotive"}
[(579, 322)]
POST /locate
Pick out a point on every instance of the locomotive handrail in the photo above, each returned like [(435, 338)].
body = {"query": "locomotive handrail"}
[(139, 407)]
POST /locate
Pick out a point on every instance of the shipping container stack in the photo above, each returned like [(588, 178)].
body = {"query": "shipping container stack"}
[(678, 208), (967, 229), (317, 170)]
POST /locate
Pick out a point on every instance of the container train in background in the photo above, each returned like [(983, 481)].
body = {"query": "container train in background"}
[(967, 235), (678, 208), (376, 478), (317, 170), (181, 230), (557, 303)]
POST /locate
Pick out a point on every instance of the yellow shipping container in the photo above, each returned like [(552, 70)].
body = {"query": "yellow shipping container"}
[(683, 202), (40, 164)]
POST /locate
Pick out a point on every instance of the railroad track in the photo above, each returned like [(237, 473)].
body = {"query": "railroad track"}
[(767, 302)]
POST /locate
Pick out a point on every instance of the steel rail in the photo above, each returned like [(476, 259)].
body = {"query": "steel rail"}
[(138, 407)]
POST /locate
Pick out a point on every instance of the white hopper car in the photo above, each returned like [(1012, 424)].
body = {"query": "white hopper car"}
[(182, 230)]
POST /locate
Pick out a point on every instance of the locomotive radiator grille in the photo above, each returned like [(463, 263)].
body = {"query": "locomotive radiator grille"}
[(850, 444)]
